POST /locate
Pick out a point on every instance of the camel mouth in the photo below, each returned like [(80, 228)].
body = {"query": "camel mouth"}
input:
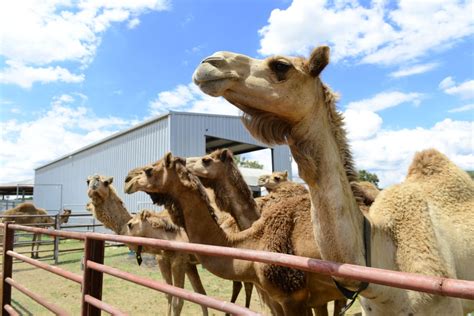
[(130, 187), (212, 80)]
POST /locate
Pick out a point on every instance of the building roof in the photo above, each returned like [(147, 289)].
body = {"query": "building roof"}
[(128, 130), (20, 187)]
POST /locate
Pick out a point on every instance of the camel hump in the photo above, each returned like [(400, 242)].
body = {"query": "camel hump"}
[(429, 162)]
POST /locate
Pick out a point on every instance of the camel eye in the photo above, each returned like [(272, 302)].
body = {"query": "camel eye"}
[(88, 182), (148, 172), (280, 68)]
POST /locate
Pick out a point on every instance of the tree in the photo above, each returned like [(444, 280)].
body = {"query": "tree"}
[(370, 177), (471, 173), (243, 162)]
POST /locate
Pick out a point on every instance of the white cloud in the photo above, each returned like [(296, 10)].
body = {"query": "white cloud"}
[(189, 98), (446, 83), (390, 152), (375, 34), (464, 108), (133, 23), (413, 70), (62, 128), (38, 33), (361, 124), (385, 100), (464, 90), (24, 76)]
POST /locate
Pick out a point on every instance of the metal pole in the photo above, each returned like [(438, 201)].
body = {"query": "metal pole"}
[(8, 236), (56, 239), (94, 251)]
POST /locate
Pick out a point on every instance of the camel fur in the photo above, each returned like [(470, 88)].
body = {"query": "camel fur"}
[(108, 207), (30, 209), (423, 225), (169, 182)]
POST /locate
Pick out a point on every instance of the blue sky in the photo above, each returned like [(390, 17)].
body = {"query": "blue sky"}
[(73, 72)]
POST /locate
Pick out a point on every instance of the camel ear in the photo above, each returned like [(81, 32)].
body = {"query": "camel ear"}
[(318, 60), (226, 155), (108, 180), (286, 173), (144, 215), (168, 159)]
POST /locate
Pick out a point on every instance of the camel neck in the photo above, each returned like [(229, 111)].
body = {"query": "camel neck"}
[(314, 145), (112, 213), (234, 196)]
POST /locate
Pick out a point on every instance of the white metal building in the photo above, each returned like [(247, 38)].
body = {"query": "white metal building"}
[(62, 182)]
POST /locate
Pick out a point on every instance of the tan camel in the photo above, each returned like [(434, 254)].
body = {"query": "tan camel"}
[(271, 181), (30, 209), (284, 230), (219, 172), (109, 209), (424, 225)]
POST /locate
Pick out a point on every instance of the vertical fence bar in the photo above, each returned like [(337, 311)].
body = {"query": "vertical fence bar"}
[(8, 236), (92, 280), (56, 239)]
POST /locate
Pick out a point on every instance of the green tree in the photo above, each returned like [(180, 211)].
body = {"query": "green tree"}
[(471, 173), (368, 176), (243, 162)]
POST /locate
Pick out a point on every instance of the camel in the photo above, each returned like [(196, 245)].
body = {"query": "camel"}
[(271, 181), (285, 230), (231, 195), (108, 208), (30, 209), (219, 172), (423, 225)]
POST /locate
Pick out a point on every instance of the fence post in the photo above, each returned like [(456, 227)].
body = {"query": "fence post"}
[(56, 239), (8, 236), (92, 281)]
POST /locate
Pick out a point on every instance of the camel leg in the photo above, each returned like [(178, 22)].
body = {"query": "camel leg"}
[(38, 242), (236, 287), (165, 269), (339, 305), (33, 242), (248, 293), (195, 280), (178, 271)]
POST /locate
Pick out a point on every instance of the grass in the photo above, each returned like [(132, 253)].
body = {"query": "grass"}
[(126, 296)]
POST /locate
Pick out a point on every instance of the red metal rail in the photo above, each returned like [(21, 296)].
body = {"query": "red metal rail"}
[(92, 279), (404, 280), (410, 281)]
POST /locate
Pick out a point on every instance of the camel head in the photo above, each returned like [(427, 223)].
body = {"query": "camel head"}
[(99, 187), (152, 225), (65, 216), (212, 166), (271, 181), (160, 180), (282, 90)]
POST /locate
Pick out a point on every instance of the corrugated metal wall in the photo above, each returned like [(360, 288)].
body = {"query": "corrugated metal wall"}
[(181, 133), (114, 157)]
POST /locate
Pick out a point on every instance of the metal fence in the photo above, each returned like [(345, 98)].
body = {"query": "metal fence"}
[(90, 224), (92, 278)]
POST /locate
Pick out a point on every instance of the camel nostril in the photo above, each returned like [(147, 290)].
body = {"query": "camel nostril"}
[(128, 179), (214, 60)]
